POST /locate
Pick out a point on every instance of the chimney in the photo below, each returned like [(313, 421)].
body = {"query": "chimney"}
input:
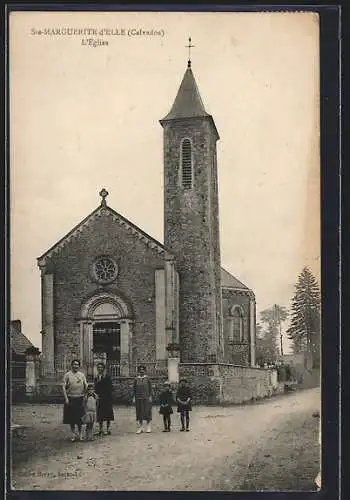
[(17, 325)]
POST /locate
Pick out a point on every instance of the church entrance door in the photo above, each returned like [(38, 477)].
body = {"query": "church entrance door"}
[(106, 342), (106, 326)]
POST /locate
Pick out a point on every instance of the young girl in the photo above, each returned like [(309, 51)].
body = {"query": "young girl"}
[(166, 401), (143, 399), (90, 406), (183, 399)]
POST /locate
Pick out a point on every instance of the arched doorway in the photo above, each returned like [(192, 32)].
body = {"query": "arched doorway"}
[(106, 333)]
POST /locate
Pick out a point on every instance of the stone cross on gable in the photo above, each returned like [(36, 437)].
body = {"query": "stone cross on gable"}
[(103, 193)]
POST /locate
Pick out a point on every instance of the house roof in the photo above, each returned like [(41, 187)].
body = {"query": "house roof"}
[(19, 343), (102, 210), (229, 281)]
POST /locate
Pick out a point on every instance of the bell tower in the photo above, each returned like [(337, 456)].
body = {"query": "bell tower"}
[(191, 220)]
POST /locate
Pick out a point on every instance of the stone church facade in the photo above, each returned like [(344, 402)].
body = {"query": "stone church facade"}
[(111, 290)]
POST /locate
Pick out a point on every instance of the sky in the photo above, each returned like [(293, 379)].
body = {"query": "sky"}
[(85, 117)]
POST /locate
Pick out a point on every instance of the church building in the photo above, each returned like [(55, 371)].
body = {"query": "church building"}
[(111, 291)]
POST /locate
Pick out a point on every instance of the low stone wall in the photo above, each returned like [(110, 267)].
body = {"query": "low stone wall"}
[(18, 390), (50, 391), (240, 384), (46, 391), (211, 384), (220, 384), (203, 381)]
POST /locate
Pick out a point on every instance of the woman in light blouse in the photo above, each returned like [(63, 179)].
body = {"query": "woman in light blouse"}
[(74, 389)]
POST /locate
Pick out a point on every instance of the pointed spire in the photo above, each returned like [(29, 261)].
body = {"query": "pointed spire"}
[(188, 102)]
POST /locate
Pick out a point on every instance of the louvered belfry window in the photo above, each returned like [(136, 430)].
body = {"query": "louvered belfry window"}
[(186, 164)]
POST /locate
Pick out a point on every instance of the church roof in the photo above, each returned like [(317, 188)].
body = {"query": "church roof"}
[(188, 102), (229, 281), (18, 341), (103, 209)]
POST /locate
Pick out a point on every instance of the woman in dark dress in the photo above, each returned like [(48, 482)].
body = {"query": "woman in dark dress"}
[(104, 390)]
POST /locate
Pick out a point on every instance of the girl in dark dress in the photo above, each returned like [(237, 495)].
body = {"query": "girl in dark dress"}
[(184, 406), (166, 401), (104, 390)]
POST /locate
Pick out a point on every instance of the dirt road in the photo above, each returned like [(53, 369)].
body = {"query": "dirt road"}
[(271, 445)]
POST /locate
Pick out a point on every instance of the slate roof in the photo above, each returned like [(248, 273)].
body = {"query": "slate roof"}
[(188, 102), (229, 281), (19, 342)]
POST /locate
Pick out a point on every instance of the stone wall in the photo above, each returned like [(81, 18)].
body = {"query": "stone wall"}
[(123, 389), (203, 381), (18, 390), (241, 384), (227, 384), (211, 384), (50, 391)]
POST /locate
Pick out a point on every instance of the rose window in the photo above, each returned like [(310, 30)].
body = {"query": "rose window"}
[(105, 269)]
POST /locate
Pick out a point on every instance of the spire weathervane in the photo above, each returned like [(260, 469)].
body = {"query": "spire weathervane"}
[(103, 193), (189, 46)]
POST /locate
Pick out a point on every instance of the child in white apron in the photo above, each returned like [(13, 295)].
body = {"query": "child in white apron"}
[(90, 407)]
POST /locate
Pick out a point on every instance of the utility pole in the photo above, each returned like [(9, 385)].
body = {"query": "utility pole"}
[(281, 337)]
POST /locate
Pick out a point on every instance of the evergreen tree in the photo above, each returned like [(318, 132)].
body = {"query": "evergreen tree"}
[(304, 329)]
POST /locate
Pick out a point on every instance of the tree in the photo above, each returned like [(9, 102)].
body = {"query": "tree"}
[(265, 345), (273, 318), (304, 330), (262, 353), (274, 315), (280, 315)]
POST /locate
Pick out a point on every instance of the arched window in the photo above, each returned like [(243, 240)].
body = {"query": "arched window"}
[(236, 325), (186, 164)]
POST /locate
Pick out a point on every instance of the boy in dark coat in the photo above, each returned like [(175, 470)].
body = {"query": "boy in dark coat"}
[(184, 406), (166, 401)]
